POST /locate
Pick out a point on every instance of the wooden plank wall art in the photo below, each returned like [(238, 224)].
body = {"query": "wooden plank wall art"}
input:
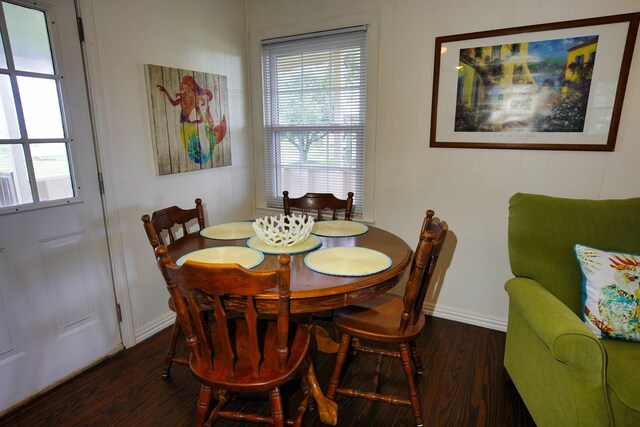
[(189, 113)]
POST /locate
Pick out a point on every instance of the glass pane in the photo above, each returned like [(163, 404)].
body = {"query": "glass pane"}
[(8, 119), (14, 178), (51, 166), (29, 39), (3, 55), (41, 107)]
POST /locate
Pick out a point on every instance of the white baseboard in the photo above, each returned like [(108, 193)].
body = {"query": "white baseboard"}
[(154, 326), (477, 319)]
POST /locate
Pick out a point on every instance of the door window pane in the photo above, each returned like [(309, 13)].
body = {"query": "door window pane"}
[(3, 55), (15, 188), (29, 38), (51, 167), (9, 128), (41, 107)]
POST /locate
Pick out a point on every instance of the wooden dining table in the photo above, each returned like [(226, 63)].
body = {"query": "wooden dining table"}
[(313, 292)]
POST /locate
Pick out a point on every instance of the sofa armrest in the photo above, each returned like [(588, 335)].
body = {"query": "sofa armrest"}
[(569, 340)]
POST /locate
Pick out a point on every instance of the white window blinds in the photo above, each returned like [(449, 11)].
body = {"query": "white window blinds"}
[(314, 105)]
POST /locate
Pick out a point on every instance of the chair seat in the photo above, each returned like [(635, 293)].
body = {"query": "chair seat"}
[(377, 319), (269, 376)]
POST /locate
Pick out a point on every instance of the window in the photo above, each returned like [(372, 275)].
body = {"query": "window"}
[(35, 167), (495, 52), (314, 114)]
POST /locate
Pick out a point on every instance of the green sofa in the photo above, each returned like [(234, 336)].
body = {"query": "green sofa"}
[(564, 374)]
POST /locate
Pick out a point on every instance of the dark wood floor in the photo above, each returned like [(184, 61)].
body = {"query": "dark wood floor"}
[(463, 385)]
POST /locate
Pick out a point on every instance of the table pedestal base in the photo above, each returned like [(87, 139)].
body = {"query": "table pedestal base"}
[(327, 409), (324, 342)]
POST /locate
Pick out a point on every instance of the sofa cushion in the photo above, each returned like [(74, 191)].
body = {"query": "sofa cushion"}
[(610, 292)]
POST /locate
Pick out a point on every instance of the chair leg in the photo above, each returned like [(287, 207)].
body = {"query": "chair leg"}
[(306, 398), (304, 381), (168, 359), (221, 396), (203, 404), (407, 365), (345, 342), (415, 354), (276, 407)]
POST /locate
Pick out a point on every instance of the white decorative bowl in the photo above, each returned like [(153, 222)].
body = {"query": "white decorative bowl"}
[(282, 231)]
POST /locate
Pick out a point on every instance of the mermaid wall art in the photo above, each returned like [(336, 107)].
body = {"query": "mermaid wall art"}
[(189, 119)]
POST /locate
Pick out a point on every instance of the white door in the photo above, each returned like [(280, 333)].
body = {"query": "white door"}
[(57, 303)]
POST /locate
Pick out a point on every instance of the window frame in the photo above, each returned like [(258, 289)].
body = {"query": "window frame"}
[(339, 42), (371, 21), (24, 140)]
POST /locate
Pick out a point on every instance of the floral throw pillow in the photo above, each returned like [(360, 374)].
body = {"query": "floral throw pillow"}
[(610, 292)]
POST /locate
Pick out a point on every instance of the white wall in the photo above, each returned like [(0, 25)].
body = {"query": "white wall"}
[(469, 188), (122, 36)]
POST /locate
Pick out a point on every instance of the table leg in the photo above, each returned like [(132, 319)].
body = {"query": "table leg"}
[(327, 409)]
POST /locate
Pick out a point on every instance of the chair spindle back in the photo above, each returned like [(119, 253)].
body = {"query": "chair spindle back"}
[(166, 220), (317, 203), (425, 258), (207, 287)]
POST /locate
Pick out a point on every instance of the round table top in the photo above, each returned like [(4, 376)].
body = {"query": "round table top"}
[(312, 291)]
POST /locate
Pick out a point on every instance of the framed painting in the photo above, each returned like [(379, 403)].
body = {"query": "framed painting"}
[(557, 86), (189, 113)]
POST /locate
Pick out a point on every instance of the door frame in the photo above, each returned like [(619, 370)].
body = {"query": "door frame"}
[(95, 92)]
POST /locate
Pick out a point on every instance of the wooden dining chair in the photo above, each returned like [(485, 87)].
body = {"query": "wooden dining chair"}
[(241, 351), (392, 320), (317, 203), (162, 227)]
